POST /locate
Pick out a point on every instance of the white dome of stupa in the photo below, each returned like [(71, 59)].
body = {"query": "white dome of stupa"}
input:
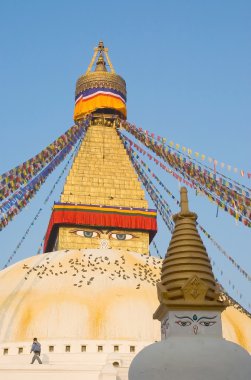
[(80, 294)]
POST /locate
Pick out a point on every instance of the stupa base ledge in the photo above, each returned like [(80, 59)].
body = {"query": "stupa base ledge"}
[(63, 372)]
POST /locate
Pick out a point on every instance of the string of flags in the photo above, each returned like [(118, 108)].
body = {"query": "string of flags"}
[(233, 185), (12, 206), (195, 184), (156, 201), (215, 243), (160, 204), (34, 220), (22, 197), (140, 134), (157, 198), (232, 301), (184, 150), (40, 248), (216, 192), (156, 249), (13, 179), (234, 289), (11, 257), (157, 162)]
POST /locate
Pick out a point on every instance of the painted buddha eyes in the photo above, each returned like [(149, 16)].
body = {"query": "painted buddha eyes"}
[(207, 323), (202, 323), (87, 234), (183, 323), (97, 234), (121, 236)]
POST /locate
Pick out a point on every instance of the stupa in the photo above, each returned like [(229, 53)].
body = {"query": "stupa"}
[(192, 347), (90, 297)]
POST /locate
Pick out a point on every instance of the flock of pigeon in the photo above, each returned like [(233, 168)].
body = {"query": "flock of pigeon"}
[(112, 266)]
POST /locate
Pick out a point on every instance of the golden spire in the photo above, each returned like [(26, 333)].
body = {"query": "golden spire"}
[(101, 50), (187, 280), (183, 201)]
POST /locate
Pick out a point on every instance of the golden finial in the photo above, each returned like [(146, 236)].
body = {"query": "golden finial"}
[(100, 65), (184, 209), (101, 45), (183, 201), (100, 49)]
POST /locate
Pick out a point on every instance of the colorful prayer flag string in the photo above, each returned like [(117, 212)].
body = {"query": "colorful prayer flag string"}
[(12, 206), (225, 198), (156, 200), (150, 139), (11, 257), (184, 150), (13, 179), (156, 249), (209, 236), (161, 205)]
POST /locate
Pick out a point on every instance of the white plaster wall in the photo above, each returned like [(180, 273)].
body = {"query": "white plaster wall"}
[(74, 365)]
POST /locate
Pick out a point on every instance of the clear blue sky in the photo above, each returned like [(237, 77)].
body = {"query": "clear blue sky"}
[(187, 68)]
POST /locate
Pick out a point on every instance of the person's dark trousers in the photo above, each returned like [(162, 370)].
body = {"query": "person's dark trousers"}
[(36, 357)]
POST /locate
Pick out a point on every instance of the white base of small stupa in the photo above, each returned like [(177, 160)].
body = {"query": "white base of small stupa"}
[(190, 357)]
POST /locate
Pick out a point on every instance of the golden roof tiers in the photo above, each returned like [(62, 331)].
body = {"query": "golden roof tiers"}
[(187, 280), (100, 91), (102, 196)]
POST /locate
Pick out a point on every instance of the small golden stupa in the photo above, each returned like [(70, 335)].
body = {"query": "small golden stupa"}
[(187, 279), (192, 346)]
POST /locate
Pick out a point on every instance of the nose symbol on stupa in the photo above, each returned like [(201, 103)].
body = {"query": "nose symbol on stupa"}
[(104, 244), (195, 329)]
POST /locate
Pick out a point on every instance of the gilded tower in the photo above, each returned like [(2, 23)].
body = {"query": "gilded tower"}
[(102, 203)]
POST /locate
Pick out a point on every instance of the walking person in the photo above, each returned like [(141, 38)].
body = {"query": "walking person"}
[(36, 348)]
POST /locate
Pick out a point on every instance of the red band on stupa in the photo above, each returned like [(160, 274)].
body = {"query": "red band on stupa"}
[(100, 216)]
